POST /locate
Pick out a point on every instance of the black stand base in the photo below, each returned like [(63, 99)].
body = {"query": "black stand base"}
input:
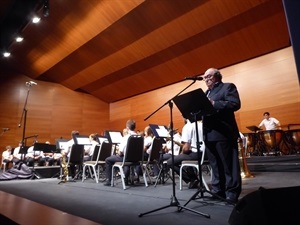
[(163, 176), (174, 203), (35, 175), (200, 194)]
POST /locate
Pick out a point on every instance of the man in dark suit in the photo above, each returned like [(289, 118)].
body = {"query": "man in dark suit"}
[(221, 134)]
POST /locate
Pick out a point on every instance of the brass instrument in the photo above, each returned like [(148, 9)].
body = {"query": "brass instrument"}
[(65, 168), (245, 173)]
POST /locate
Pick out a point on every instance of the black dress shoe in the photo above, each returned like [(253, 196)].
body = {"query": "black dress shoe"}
[(231, 201), (218, 195), (193, 184)]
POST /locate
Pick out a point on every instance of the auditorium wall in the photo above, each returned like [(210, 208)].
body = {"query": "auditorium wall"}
[(53, 111), (267, 83)]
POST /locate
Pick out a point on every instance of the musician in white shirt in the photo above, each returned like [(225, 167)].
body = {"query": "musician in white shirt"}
[(270, 123)]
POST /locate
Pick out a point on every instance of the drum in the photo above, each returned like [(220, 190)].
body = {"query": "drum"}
[(250, 142), (272, 140), (293, 139), (295, 134)]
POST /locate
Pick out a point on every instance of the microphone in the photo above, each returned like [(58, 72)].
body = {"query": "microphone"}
[(30, 83), (194, 78), (5, 129)]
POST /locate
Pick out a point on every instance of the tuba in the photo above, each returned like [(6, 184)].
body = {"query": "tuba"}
[(245, 173)]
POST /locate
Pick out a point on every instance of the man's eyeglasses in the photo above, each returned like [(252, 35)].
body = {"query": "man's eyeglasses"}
[(209, 76)]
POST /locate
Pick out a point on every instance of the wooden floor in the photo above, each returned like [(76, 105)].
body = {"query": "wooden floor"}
[(25, 212)]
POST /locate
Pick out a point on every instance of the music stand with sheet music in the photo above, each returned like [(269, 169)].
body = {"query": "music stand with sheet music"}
[(174, 201), (61, 144), (162, 132), (81, 140), (114, 137), (194, 103), (102, 139), (159, 131), (23, 151), (193, 106)]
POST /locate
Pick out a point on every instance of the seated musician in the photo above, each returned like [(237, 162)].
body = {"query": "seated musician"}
[(110, 161), (33, 156), (189, 152), (7, 157)]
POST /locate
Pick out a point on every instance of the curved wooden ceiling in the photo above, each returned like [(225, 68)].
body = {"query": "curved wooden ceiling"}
[(115, 49)]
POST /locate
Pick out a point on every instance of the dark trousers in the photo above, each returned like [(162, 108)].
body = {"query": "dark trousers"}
[(224, 162), (188, 174), (109, 162)]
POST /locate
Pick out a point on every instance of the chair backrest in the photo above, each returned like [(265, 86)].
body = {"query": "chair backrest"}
[(105, 150), (156, 149), (96, 152), (76, 155), (134, 149), (202, 150)]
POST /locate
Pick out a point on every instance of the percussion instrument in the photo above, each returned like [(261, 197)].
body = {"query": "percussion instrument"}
[(293, 139), (271, 140), (250, 142)]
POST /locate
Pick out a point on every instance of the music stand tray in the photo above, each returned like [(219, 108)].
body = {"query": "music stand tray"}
[(253, 128), (46, 148), (187, 105), (23, 150)]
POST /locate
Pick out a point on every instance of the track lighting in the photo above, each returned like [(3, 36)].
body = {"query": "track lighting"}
[(6, 54), (46, 10)]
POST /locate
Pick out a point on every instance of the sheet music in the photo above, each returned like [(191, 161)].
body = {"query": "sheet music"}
[(162, 131)]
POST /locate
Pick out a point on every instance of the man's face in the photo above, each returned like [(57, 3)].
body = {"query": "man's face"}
[(209, 78)]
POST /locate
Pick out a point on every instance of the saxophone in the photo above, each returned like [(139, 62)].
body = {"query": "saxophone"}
[(65, 168)]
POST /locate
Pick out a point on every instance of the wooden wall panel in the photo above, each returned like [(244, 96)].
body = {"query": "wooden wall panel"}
[(53, 111), (267, 83)]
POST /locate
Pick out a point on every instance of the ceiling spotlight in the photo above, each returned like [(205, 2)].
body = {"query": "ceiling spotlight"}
[(6, 54), (19, 39), (36, 19), (46, 11)]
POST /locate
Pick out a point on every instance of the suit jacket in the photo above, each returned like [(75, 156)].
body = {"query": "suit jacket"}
[(222, 125)]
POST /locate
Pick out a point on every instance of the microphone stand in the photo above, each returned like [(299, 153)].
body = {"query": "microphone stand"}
[(24, 115), (174, 201)]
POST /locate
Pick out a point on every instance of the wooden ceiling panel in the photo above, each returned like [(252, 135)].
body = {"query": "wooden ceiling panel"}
[(112, 49)]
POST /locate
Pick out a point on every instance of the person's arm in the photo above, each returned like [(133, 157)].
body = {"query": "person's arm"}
[(277, 123), (261, 124)]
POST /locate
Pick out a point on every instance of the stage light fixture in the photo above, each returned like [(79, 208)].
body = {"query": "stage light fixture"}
[(19, 39), (6, 54), (46, 10), (36, 19)]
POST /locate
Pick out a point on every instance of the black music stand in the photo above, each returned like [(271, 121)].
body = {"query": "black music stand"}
[(253, 128), (23, 151), (193, 106), (114, 137), (162, 132), (44, 147), (174, 201)]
